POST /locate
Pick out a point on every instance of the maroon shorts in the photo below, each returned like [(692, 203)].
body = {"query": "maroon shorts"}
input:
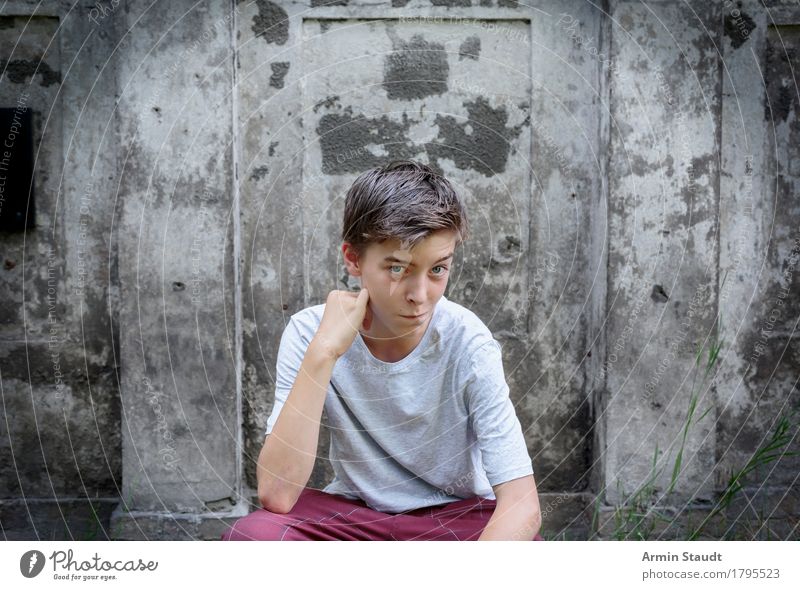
[(319, 516)]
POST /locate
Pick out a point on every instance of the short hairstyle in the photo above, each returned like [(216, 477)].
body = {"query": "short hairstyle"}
[(404, 200)]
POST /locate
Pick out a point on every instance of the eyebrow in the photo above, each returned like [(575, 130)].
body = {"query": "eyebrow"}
[(393, 259)]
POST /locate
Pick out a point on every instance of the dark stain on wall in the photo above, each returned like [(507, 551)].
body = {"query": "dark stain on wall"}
[(19, 70), (415, 69), (451, 3), (344, 139), (279, 71), (316, 3), (508, 250), (702, 165), (471, 48), (271, 22), (259, 173), (778, 60), (482, 143), (738, 28), (658, 294), (328, 102)]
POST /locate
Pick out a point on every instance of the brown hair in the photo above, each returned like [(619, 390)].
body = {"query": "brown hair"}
[(404, 200)]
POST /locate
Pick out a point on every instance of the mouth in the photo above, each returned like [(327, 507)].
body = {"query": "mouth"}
[(412, 317)]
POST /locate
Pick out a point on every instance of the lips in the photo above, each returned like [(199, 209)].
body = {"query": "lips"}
[(411, 317)]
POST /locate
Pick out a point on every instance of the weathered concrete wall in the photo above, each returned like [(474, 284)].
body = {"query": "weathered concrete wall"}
[(270, 135), (566, 257), (631, 174), (179, 324), (631, 103), (759, 303), (663, 198), (60, 433), (703, 249)]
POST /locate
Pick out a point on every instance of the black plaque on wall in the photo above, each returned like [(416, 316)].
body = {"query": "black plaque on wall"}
[(17, 210)]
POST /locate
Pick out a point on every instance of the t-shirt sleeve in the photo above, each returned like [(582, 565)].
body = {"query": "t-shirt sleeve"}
[(291, 351), (492, 416)]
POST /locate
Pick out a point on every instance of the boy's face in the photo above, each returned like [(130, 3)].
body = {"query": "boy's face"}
[(403, 282)]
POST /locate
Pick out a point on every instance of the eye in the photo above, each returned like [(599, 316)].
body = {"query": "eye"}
[(391, 269), (444, 270)]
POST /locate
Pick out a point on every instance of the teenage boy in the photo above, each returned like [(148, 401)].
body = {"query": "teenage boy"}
[(425, 443)]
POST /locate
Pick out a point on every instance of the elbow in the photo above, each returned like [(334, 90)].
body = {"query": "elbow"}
[(276, 507), (275, 502), (276, 492), (270, 495)]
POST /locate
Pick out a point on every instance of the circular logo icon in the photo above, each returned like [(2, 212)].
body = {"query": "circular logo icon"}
[(31, 563)]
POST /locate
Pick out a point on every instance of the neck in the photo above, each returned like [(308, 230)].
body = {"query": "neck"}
[(391, 348)]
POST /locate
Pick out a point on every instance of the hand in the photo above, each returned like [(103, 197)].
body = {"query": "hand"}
[(345, 312)]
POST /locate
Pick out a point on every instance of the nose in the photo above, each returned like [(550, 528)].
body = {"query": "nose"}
[(415, 294)]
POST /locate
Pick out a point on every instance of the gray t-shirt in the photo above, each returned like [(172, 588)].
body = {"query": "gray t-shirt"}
[(434, 427)]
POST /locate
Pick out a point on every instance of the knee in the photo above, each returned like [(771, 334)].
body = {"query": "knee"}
[(261, 525)]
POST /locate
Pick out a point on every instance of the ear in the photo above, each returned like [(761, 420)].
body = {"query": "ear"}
[(351, 260)]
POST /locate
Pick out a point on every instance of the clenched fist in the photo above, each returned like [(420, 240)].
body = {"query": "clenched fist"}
[(345, 313)]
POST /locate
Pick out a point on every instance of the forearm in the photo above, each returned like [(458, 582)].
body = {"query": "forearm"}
[(512, 522), (287, 458)]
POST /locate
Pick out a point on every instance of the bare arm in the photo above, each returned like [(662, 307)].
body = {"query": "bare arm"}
[(517, 516), (288, 454), (287, 457)]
